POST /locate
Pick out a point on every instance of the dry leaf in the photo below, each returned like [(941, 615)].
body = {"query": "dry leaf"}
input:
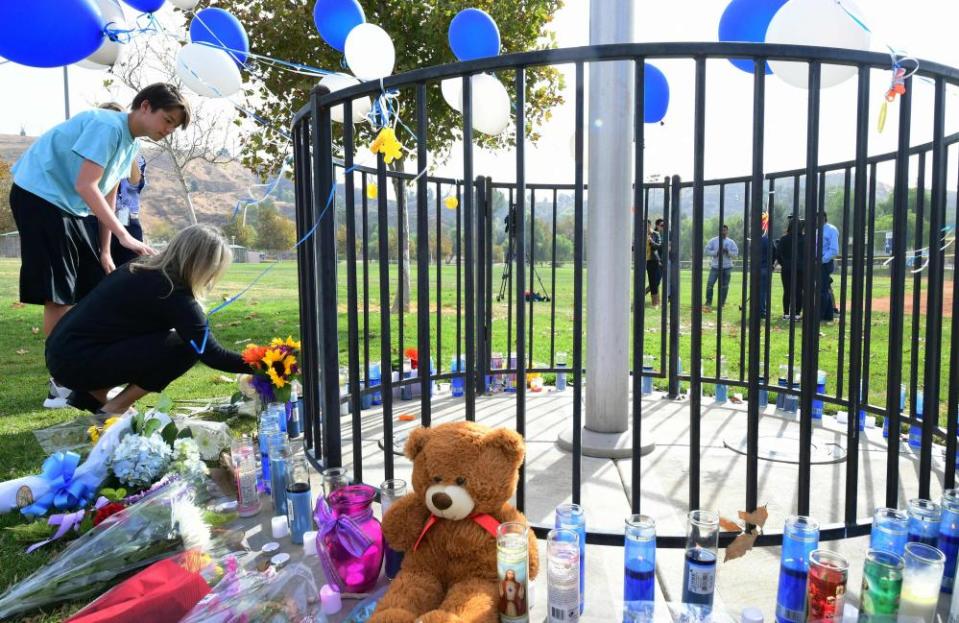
[(22, 351), (35, 330), (736, 399), (740, 545), (17, 305), (251, 315), (757, 518), (728, 525), (406, 417)]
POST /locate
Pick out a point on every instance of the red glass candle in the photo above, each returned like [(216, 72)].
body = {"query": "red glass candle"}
[(826, 587)]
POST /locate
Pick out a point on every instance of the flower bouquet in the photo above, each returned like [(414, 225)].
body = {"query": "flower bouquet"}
[(275, 367), (286, 596), (162, 523)]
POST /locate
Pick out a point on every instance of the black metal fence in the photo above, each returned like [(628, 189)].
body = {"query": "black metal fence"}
[(483, 282)]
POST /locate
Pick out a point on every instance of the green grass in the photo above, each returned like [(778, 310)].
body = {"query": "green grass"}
[(271, 309)]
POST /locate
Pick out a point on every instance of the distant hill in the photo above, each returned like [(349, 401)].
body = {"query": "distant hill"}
[(216, 188)]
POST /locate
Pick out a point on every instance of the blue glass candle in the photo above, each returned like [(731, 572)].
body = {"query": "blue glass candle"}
[(561, 376), (915, 431), (948, 542), (268, 430), (647, 384), (800, 538), (783, 382), (573, 517), (376, 398), (278, 410), (639, 584), (406, 391), (890, 531), (792, 400), (699, 570), (820, 389), (294, 427), (722, 391), (924, 519), (457, 383), (299, 500), (390, 491), (279, 459), (763, 393)]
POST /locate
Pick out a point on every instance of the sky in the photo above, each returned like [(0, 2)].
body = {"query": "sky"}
[(922, 28)]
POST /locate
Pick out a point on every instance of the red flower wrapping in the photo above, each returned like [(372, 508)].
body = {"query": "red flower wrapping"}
[(106, 510)]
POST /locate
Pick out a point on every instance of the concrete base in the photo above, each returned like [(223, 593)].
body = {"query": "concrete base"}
[(606, 445)]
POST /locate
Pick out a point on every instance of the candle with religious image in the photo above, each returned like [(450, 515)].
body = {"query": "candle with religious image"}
[(512, 567)]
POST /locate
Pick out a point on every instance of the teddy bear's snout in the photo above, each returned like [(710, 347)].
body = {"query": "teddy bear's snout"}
[(442, 501)]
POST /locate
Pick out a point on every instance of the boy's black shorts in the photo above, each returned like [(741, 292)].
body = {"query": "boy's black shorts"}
[(59, 257)]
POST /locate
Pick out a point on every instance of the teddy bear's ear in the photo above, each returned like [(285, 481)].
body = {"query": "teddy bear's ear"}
[(509, 442), (415, 442)]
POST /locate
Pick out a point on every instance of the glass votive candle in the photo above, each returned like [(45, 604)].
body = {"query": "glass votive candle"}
[(948, 542), (924, 519), (881, 587), (334, 478), (639, 586), (921, 579), (890, 530), (826, 587)]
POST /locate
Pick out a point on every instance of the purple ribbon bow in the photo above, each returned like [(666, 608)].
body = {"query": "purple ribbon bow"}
[(65, 522), (345, 532)]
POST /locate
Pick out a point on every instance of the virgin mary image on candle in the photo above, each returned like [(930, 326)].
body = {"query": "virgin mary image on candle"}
[(512, 596)]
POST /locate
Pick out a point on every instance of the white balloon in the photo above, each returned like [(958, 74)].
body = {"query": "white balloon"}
[(821, 23), (369, 52), (109, 52), (208, 71), (361, 106), (185, 5), (452, 89), (491, 105)]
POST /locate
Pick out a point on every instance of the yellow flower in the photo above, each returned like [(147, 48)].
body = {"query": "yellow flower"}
[(288, 364), (277, 341), (94, 433), (278, 381), (292, 343), (110, 422), (387, 144), (272, 356)]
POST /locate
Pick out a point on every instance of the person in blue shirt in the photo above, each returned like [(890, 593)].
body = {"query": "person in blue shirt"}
[(721, 250), (830, 249), (128, 209), (69, 172)]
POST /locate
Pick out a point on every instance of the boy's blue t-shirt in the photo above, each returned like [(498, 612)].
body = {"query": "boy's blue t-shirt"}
[(49, 168)]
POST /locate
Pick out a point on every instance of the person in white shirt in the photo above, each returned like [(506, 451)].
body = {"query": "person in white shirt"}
[(721, 251), (830, 249)]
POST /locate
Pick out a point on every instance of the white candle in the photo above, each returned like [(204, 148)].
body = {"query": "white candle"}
[(309, 543), (330, 600), (280, 527)]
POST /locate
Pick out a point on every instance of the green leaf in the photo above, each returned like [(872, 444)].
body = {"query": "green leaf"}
[(165, 404), (121, 493), (137, 424), (236, 398), (152, 426), (169, 433), (185, 433)]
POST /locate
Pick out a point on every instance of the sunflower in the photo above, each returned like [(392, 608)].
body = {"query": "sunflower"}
[(288, 364), (271, 356), (278, 381)]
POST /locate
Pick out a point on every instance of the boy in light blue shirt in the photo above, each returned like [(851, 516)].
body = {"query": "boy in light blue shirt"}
[(69, 172)]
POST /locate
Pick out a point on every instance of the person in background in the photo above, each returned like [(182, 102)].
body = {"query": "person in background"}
[(830, 249), (721, 250), (788, 247), (128, 209), (143, 325), (765, 267), (69, 172), (654, 261)]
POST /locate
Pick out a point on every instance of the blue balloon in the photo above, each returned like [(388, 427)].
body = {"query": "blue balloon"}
[(655, 94), (49, 33), (219, 29), (473, 34), (747, 20), (146, 6), (336, 18)]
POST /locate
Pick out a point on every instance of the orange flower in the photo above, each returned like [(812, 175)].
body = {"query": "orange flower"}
[(253, 354)]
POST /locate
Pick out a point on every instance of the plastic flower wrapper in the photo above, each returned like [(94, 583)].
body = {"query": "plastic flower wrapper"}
[(286, 596), (275, 367), (161, 524)]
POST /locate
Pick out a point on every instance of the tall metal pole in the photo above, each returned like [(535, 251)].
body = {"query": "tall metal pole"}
[(66, 93), (608, 216)]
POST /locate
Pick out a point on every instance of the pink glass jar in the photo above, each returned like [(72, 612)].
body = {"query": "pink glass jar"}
[(358, 574)]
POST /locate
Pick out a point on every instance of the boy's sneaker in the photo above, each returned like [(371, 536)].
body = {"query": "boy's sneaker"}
[(56, 396)]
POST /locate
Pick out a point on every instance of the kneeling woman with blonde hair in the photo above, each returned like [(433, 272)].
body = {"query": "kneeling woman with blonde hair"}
[(136, 327)]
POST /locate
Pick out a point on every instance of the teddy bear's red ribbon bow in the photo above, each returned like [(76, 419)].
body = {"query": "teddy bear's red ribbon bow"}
[(485, 520)]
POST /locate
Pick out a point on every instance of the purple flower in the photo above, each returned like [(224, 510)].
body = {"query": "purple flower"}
[(264, 388)]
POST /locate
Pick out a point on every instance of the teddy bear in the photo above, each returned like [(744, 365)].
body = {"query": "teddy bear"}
[(464, 475)]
